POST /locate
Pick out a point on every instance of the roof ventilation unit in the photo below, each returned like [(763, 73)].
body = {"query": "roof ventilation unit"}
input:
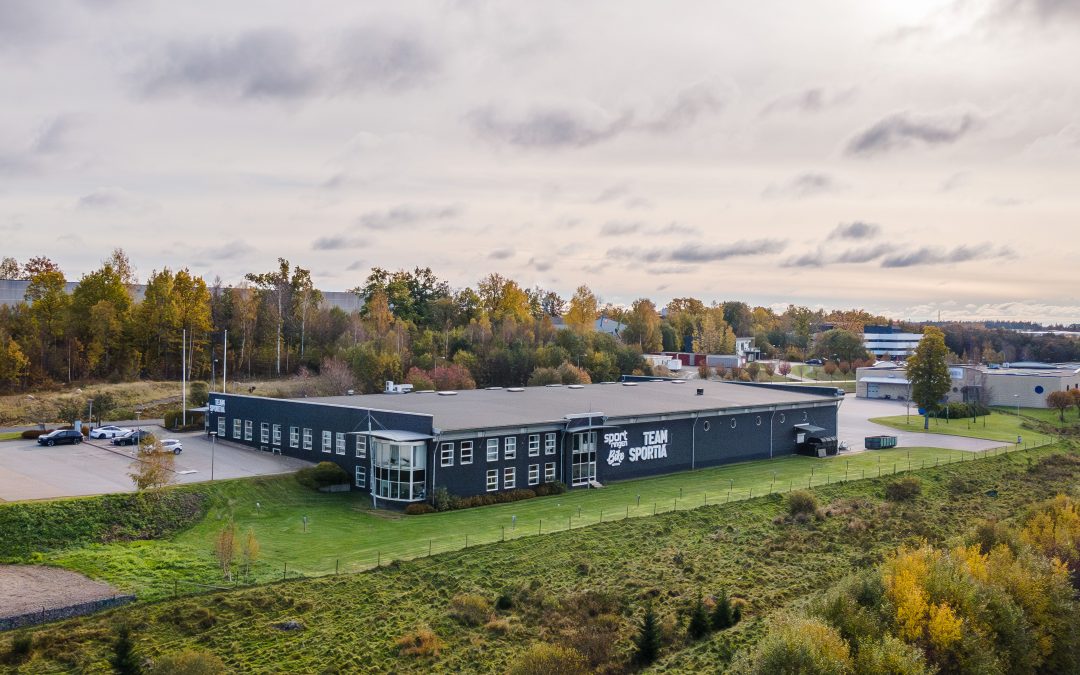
[(552, 385), (629, 384), (493, 388), (700, 392), (575, 386), (515, 389), (447, 393)]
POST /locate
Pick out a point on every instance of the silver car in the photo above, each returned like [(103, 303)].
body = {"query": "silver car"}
[(109, 431), (172, 445)]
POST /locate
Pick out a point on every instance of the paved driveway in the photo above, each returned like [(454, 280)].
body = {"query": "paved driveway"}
[(31, 471), (855, 414)]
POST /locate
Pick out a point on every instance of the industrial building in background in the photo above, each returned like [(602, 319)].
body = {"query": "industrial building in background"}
[(1026, 384)]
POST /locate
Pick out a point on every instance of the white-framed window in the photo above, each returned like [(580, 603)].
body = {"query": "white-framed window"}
[(492, 480), (361, 446), (492, 449), (509, 477), (510, 447), (339, 443), (277, 434), (221, 426), (549, 472), (294, 437), (236, 428), (534, 445), (466, 452), (264, 432), (446, 454), (549, 444), (534, 474), (327, 441), (361, 476), (307, 438), (247, 430)]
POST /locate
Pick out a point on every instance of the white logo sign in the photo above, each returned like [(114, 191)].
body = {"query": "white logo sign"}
[(653, 446), (217, 406)]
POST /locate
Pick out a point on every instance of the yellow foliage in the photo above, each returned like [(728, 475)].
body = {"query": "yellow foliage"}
[(904, 579), (1055, 530), (945, 627), (974, 562)]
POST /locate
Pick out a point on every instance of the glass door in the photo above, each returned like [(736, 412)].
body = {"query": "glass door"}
[(583, 458)]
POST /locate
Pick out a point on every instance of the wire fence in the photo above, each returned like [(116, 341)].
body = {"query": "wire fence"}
[(582, 516)]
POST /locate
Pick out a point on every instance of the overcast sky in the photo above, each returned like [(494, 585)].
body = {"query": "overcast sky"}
[(907, 156)]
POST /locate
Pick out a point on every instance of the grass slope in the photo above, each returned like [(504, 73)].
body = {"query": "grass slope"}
[(345, 534), (351, 622)]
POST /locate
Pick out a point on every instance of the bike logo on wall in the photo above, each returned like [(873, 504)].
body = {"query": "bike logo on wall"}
[(653, 446)]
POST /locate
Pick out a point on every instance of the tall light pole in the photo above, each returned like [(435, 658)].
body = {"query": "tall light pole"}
[(91, 401), (213, 452), (1017, 397)]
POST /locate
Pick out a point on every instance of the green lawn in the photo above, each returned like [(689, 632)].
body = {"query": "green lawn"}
[(1045, 415), (10, 436), (343, 532), (995, 426)]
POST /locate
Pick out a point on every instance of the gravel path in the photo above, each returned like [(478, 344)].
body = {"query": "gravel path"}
[(28, 588)]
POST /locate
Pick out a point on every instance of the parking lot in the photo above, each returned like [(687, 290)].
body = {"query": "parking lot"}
[(31, 471), (855, 425)]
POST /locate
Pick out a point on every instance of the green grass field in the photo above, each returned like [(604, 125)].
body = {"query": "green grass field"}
[(11, 436), (345, 534), (555, 583), (1045, 415), (995, 426)]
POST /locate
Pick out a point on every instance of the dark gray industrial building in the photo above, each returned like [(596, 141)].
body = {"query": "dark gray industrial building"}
[(400, 447)]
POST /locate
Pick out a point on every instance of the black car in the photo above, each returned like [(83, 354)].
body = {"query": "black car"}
[(132, 438), (815, 362), (60, 436)]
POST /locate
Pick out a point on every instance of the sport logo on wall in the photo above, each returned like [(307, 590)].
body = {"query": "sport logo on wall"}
[(653, 446)]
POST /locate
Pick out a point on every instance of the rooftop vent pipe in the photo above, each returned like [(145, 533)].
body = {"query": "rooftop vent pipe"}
[(700, 392)]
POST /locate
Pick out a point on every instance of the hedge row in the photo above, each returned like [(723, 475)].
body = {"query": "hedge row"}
[(444, 501), (29, 527), (31, 434), (958, 411)]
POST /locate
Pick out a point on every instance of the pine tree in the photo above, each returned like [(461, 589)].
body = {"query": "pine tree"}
[(736, 614), (722, 615), (124, 661), (699, 620), (647, 642)]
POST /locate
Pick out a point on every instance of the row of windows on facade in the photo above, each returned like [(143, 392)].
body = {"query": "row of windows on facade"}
[(492, 478), (331, 442)]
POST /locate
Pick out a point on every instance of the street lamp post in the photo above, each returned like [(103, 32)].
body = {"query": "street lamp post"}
[(213, 452), (91, 401), (1017, 397)]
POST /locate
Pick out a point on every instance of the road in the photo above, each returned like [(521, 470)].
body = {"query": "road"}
[(855, 425), (31, 471)]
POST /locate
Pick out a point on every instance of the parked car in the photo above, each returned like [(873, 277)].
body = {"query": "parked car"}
[(173, 445), (814, 362), (60, 436), (109, 431), (132, 437)]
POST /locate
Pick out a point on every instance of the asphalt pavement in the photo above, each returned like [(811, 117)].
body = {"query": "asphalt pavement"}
[(855, 426)]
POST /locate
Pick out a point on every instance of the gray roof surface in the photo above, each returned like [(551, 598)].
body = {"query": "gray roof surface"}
[(493, 408)]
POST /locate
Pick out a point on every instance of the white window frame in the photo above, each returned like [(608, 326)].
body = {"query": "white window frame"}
[(534, 445), (327, 441), (264, 432), (221, 426), (307, 438), (275, 434), (294, 437), (534, 474), (247, 430), (549, 444), (446, 454), (361, 476), (339, 443), (492, 480), (492, 449), (509, 477), (237, 423), (510, 447), (361, 446), (466, 452), (549, 472)]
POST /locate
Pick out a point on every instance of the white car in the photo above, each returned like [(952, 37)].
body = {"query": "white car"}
[(173, 445), (108, 431)]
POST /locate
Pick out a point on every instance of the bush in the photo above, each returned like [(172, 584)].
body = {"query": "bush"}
[(188, 663), (553, 488), (471, 609), (21, 646), (423, 642), (419, 509), (545, 659), (321, 475), (173, 420), (198, 394), (801, 502), (444, 501), (798, 645), (31, 434), (903, 489)]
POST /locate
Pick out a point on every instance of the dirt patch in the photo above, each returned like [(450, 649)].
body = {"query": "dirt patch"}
[(28, 588)]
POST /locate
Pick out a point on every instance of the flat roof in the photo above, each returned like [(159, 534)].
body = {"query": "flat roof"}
[(532, 406)]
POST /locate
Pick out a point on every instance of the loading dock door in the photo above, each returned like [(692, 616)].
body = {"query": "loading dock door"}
[(872, 390)]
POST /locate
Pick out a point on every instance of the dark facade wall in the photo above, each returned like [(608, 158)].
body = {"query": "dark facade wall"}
[(471, 479)]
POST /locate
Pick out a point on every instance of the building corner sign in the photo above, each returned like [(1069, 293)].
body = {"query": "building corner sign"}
[(217, 405), (654, 445)]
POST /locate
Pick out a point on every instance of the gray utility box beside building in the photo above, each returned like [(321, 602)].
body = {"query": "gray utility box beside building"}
[(400, 448)]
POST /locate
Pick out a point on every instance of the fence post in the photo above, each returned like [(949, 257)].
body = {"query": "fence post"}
[(601, 515), (429, 548), (285, 572), (541, 530), (466, 541), (627, 510), (175, 588), (503, 537), (570, 522), (378, 558)]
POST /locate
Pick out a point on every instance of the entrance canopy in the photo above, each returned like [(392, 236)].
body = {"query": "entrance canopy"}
[(811, 430), (395, 435)]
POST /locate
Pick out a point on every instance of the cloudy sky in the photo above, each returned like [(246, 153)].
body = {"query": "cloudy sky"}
[(908, 156)]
